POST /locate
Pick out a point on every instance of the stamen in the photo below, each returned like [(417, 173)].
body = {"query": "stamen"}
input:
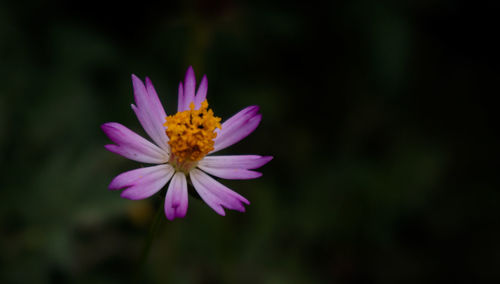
[(191, 133)]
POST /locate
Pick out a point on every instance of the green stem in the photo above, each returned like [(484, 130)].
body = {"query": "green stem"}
[(149, 241)]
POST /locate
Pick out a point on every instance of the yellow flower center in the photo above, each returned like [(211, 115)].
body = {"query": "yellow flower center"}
[(191, 133)]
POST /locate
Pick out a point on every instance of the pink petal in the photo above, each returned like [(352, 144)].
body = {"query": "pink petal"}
[(180, 100), (150, 112), (155, 100), (230, 173), (242, 115), (189, 88), (201, 94), (215, 194), (233, 167), (142, 183), (131, 145), (176, 201), (235, 161), (237, 127)]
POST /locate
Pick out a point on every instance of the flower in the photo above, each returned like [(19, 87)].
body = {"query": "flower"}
[(182, 148)]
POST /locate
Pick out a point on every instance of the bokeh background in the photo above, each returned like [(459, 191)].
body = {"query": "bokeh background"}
[(377, 113)]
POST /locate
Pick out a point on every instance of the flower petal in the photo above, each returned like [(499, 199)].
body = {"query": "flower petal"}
[(176, 201), (227, 173), (189, 89), (180, 100), (233, 167), (237, 127), (201, 94), (142, 183), (150, 113), (155, 100), (215, 194), (131, 145), (242, 115), (235, 161)]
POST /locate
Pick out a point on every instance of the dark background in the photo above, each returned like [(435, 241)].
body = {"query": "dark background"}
[(378, 114)]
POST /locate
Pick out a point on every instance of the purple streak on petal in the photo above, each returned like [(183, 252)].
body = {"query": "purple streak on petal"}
[(219, 189), (147, 111), (240, 117), (201, 95), (142, 183), (155, 100), (180, 100), (176, 201), (215, 194), (189, 88), (129, 178), (207, 196), (154, 130), (131, 145), (129, 154), (231, 173), (237, 127), (236, 161)]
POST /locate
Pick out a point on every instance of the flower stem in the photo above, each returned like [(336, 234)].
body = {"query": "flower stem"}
[(149, 240)]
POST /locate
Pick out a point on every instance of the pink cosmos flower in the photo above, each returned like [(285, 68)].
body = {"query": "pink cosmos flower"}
[(181, 149)]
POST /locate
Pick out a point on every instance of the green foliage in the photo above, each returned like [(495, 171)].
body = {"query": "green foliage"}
[(385, 163)]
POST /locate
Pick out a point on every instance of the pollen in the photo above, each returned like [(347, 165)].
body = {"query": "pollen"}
[(191, 133)]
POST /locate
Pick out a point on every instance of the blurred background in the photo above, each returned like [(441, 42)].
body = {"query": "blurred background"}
[(377, 114)]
